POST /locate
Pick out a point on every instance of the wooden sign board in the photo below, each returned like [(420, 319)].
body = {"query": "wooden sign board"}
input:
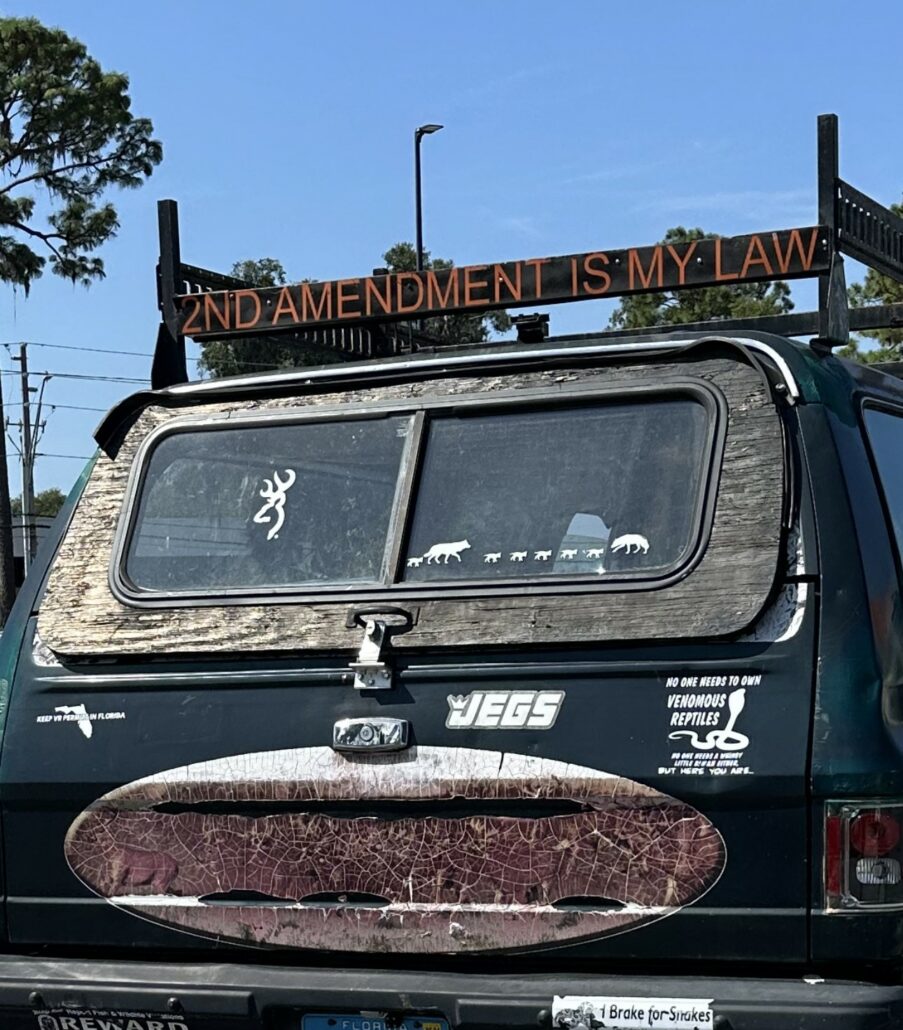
[(785, 254)]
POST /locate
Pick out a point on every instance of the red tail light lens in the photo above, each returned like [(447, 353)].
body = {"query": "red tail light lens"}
[(833, 855), (863, 855), (874, 834)]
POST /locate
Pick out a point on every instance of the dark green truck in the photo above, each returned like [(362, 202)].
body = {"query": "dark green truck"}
[(546, 684)]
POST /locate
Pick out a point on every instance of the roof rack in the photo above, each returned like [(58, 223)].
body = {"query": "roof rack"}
[(375, 316)]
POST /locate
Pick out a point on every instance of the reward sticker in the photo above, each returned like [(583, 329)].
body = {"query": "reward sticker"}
[(104, 1019), (576, 1012)]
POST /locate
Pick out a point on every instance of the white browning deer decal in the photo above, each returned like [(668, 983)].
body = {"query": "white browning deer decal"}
[(274, 495)]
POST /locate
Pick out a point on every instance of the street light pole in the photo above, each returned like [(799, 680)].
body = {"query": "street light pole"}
[(419, 133)]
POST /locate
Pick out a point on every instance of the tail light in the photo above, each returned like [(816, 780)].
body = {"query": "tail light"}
[(863, 855)]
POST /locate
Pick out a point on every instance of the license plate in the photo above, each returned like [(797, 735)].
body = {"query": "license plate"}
[(340, 1021)]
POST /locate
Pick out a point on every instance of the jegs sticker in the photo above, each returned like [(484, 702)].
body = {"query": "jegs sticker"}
[(504, 710), (578, 1012)]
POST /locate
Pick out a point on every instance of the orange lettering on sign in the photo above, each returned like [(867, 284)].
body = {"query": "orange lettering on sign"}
[(471, 284), (435, 298), (188, 328), (211, 309), (285, 305), (252, 295), (591, 265), (719, 275), (371, 291), (500, 276), (536, 264), (755, 245), (682, 265), (795, 240), (310, 312), (343, 298), (403, 308), (636, 271)]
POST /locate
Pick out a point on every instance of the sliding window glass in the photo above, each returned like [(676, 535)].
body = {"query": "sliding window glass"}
[(596, 490), (267, 505)]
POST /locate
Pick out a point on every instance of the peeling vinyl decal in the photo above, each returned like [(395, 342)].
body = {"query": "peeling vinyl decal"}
[(430, 850), (274, 495), (795, 553), (782, 620), (41, 654)]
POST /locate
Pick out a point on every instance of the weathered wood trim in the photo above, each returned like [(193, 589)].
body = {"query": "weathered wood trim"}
[(722, 595)]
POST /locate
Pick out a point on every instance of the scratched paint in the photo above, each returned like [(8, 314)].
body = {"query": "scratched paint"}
[(491, 854)]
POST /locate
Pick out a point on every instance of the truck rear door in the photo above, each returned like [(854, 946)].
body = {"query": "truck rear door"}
[(462, 665)]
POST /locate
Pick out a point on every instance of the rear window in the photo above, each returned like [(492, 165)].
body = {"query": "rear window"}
[(601, 490)]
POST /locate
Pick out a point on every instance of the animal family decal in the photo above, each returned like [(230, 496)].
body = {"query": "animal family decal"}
[(441, 553)]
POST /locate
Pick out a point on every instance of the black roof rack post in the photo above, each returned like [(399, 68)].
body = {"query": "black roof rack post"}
[(170, 366), (833, 309)]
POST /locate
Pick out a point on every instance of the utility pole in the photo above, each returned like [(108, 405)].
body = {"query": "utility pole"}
[(29, 529), (7, 564)]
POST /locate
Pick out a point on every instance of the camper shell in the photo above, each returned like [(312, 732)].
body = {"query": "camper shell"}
[(553, 683)]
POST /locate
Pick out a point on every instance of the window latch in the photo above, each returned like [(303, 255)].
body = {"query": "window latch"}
[(371, 670)]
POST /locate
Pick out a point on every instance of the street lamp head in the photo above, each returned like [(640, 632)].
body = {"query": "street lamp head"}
[(426, 130)]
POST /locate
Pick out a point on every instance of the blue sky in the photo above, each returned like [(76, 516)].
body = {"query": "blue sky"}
[(287, 130)]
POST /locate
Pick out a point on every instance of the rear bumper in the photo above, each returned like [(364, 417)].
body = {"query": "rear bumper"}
[(69, 994)]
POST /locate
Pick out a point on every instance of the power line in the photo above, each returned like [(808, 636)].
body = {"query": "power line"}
[(99, 379), (75, 457), (78, 375), (68, 407), (91, 350), (136, 354)]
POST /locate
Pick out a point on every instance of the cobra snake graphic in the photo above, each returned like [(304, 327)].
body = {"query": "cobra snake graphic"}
[(726, 738)]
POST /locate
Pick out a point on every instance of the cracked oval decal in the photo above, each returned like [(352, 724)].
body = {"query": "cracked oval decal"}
[(433, 850)]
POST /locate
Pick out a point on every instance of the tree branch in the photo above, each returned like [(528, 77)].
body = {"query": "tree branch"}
[(45, 237), (48, 173)]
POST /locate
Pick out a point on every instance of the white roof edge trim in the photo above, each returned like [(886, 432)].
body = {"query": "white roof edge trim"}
[(613, 350)]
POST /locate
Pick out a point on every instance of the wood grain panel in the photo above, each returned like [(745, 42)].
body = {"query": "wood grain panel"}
[(722, 594)]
